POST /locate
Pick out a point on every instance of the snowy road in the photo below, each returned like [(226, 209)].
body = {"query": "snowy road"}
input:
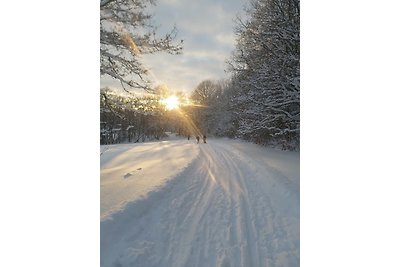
[(234, 204)]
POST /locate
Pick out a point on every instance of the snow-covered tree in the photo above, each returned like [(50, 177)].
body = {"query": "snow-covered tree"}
[(126, 32), (266, 68)]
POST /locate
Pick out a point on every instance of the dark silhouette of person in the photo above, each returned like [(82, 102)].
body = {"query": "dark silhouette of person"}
[(188, 136), (198, 139), (204, 139)]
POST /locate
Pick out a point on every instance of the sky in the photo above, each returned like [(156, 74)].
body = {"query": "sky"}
[(207, 30)]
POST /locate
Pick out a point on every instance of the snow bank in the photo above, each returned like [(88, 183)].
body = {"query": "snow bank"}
[(130, 171)]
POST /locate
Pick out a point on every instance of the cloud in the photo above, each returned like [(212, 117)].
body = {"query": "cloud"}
[(207, 28), (227, 39), (185, 72), (171, 2)]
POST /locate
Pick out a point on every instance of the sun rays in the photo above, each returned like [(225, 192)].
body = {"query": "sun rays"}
[(171, 102)]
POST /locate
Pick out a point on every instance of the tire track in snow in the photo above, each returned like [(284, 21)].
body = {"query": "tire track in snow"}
[(223, 210), (245, 228), (276, 208), (255, 205)]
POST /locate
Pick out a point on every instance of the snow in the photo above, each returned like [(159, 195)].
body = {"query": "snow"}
[(129, 172), (178, 203)]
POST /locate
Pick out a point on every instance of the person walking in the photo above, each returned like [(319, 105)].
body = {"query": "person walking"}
[(205, 139), (198, 139)]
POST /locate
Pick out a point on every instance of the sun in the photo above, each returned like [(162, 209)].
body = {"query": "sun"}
[(171, 102)]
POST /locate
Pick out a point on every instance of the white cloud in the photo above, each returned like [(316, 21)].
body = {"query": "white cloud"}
[(207, 30), (185, 72), (227, 39)]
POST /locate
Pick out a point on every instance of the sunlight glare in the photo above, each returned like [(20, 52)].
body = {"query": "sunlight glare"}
[(171, 102)]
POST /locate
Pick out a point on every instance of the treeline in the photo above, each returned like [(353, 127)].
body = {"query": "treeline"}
[(125, 117), (261, 102)]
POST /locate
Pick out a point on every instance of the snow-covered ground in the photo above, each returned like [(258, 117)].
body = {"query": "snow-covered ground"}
[(177, 203)]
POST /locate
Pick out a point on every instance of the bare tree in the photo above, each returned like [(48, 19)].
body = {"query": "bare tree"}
[(206, 96), (126, 32), (205, 92)]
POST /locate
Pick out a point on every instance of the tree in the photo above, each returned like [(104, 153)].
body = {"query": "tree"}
[(162, 90), (205, 92), (128, 117), (133, 118), (206, 98), (266, 66), (126, 33)]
